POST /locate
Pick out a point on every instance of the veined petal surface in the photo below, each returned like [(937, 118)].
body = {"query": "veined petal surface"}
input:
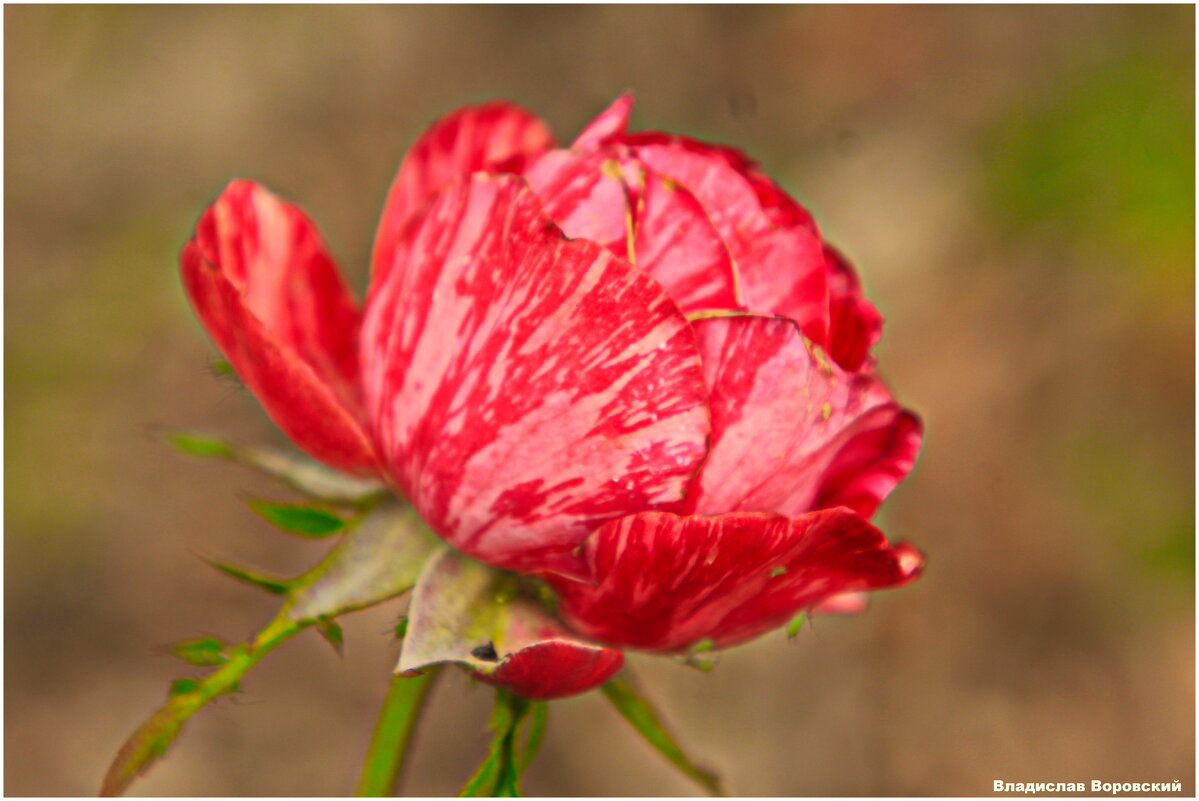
[(639, 214), (775, 247), (792, 432), (498, 136), (265, 287), (524, 388), (667, 582)]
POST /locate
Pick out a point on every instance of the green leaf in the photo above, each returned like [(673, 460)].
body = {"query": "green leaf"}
[(638, 711), (499, 774), (183, 686), (401, 627), (272, 585), (795, 625), (199, 445), (332, 634), (202, 652), (222, 367), (297, 518)]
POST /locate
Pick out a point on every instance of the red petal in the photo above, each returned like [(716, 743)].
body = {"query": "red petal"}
[(880, 454), (260, 279), (523, 387), (611, 123), (555, 669), (677, 244), (668, 582), (494, 137), (790, 431), (604, 196), (846, 603), (465, 612), (776, 248), (855, 325), (588, 195)]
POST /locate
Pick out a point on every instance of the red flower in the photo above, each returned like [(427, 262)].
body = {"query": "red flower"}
[(631, 366)]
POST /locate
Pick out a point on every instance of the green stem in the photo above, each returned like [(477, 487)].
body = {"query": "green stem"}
[(393, 731), (644, 718), (157, 733)]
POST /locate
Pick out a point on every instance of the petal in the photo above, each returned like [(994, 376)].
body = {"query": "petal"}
[(264, 286), (677, 244), (846, 603), (855, 325), (608, 197), (556, 669), (880, 454), (495, 137), (525, 388), (463, 611), (776, 249), (588, 195), (667, 582), (611, 123), (790, 431)]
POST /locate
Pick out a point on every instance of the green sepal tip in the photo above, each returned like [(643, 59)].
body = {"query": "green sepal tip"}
[(272, 585), (299, 518), (198, 445)]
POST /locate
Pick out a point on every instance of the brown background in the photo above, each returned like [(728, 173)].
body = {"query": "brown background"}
[(1015, 184)]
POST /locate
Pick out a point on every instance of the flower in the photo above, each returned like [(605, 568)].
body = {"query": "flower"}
[(631, 367)]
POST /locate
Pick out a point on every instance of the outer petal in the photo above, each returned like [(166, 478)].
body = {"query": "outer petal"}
[(667, 582), (790, 431), (611, 124), (525, 388), (462, 611), (637, 213), (775, 246), (855, 325), (264, 286), (498, 136)]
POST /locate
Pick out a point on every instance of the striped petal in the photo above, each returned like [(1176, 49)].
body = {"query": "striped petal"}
[(263, 284), (667, 583), (465, 612), (792, 432), (524, 388), (774, 244), (495, 137), (610, 124), (639, 214)]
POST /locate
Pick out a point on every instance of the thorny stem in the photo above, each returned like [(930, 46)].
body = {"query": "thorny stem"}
[(393, 731), (152, 739)]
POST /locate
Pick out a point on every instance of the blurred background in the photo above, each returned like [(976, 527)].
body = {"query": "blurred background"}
[(1016, 186)]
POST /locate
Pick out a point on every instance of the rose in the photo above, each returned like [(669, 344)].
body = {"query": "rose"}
[(631, 367)]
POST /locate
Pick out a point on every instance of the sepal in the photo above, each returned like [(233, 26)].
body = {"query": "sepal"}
[(301, 474), (466, 612)]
